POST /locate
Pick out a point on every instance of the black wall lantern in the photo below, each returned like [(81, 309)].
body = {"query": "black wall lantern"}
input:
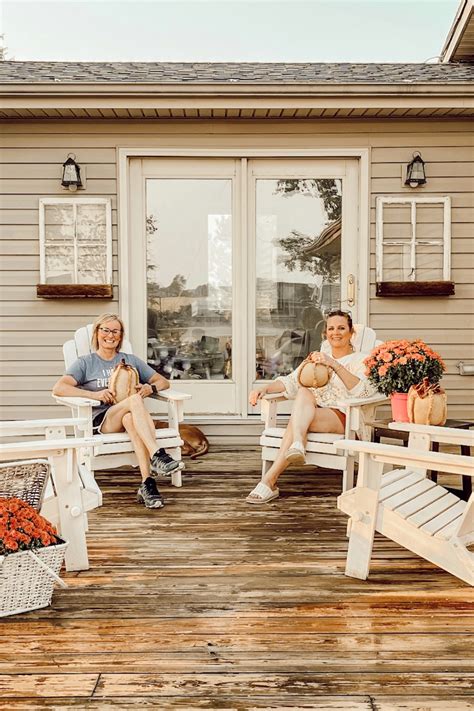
[(71, 174), (416, 171)]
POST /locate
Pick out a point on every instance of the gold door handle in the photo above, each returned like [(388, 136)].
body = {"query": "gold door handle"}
[(351, 290)]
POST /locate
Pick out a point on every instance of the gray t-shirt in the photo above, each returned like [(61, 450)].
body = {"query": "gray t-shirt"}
[(92, 372)]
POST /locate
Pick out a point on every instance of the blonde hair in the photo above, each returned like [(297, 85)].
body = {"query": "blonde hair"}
[(100, 320)]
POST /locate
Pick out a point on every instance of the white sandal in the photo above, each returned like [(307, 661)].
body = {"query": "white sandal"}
[(296, 454), (264, 494)]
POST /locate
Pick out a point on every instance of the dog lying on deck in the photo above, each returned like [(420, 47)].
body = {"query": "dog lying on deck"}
[(195, 442)]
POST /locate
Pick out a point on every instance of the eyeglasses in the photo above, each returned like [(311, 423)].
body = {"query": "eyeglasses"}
[(108, 331)]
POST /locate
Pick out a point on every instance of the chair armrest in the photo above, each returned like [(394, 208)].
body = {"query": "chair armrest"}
[(76, 401), (21, 428), (361, 401), (170, 394), (406, 456), (446, 435), (278, 397), (175, 400), (45, 448)]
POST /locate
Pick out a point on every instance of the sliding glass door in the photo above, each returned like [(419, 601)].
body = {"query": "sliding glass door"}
[(233, 265)]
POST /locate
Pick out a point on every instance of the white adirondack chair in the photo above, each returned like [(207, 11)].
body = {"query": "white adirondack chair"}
[(71, 491), (408, 508), (320, 449), (115, 450)]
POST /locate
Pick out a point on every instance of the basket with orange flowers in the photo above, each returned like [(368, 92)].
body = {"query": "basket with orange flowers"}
[(395, 366), (31, 555)]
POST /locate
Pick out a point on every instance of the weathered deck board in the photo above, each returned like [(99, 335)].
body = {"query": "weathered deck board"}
[(210, 603)]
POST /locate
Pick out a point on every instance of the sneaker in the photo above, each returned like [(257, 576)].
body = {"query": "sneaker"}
[(149, 495), (162, 463), (296, 454)]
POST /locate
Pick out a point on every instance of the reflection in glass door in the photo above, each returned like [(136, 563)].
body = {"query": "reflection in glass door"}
[(188, 209), (298, 264), (189, 278), (298, 227)]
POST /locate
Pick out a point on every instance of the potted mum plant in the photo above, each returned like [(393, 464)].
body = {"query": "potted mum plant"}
[(31, 555), (395, 366)]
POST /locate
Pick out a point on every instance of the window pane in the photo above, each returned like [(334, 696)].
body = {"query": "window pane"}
[(91, 224), (189, 277), (59, 264), (298, 266), (397, 262), (429, 262), (92, 264), (59, 223)]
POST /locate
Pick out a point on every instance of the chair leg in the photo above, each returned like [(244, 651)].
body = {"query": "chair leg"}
[(72, 520), (176, 479), (362, 530), (265, 467), (466, 480), (434, 475), (348, 475)]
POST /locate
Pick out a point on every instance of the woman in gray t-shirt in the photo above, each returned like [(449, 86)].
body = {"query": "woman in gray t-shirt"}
[(91, 373)]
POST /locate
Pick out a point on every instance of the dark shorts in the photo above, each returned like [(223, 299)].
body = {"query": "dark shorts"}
[(97, 421)]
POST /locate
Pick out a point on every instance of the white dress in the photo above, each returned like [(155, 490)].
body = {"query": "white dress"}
[(334, 391)]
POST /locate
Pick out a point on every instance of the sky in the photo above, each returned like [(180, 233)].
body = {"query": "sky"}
[(226, 30)]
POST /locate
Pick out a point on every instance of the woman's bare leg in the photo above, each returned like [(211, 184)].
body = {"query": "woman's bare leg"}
[(326, 421), (323, 419), (297, 428), (303, 415), (140, 449), (142, 421)]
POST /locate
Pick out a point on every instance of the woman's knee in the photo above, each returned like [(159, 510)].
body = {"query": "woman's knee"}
[(304, 396), (127, 421), (135, 401)]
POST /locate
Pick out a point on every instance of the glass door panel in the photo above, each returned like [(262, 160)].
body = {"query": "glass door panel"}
[(298, 268), (189, 285), (297, 228), (189, 278)]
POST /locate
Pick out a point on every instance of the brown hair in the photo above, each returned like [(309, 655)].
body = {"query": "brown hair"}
[(100, 321), (337, 312)]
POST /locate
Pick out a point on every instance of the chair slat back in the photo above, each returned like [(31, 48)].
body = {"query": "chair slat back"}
[(81, 345), (363, 340)]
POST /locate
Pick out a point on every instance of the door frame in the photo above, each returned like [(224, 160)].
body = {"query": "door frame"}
[(125, 154)]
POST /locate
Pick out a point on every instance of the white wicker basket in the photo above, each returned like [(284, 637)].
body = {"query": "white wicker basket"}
[(27, 578)]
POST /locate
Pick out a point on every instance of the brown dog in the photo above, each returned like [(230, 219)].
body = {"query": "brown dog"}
[(195, 442)]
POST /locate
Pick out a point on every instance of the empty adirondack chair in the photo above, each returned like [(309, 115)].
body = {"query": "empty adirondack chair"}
[(407, 507), (320, 448), (65, 488), (116, 449)]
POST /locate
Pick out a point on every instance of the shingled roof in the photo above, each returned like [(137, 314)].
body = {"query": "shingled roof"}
[(224, 73)]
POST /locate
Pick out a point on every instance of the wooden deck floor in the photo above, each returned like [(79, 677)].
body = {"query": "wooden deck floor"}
[(213, 604)]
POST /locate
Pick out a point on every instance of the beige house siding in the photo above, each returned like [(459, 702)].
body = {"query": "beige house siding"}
[(31, 154)]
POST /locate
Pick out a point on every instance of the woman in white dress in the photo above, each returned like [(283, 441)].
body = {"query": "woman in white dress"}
[(315, 409)]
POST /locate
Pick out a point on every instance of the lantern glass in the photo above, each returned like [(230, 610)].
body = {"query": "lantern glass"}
[(416, 172), (71, 174)]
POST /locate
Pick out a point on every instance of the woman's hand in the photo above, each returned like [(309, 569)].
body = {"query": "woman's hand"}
[(144, 390), (256, 395), (106, 396), (324, 359)]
